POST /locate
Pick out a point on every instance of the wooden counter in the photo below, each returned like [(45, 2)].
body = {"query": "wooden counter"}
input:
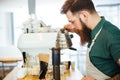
[(69, 75), (8, 60)]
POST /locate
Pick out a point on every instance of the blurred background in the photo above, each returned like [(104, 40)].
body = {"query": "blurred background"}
[(14, 12)]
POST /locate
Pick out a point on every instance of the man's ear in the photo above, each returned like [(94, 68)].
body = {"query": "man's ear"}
[(84, 16)]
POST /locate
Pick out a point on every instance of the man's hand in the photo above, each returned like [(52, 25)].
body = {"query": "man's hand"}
[(69, 27)]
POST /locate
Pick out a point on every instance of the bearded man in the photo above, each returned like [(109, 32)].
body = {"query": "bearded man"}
[(103, 38)]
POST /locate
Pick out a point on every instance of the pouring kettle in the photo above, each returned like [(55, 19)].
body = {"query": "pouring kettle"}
[(63, 40)]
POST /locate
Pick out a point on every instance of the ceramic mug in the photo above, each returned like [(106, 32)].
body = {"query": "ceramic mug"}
[(21, 72)]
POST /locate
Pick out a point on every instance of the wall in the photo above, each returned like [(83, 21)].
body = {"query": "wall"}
[(6, 29)]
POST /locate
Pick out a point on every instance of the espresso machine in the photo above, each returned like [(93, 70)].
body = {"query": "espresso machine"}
[(34, 43)]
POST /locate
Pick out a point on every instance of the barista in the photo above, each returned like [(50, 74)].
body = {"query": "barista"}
[(103, 38)]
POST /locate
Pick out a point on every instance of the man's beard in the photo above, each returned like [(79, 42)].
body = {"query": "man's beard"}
[(84, 34)]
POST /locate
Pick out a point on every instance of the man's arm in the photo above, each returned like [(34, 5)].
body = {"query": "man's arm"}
[(117, 76)]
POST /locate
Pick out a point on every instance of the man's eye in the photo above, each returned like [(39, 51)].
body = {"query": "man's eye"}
[(72, 22)]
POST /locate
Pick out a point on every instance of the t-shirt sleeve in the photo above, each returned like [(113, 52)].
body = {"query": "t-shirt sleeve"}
[(115, 45)]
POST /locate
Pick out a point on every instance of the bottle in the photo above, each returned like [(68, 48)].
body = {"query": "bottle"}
[(56, 63)]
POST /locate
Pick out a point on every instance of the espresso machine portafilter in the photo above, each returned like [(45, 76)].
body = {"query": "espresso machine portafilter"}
[(63, 41)]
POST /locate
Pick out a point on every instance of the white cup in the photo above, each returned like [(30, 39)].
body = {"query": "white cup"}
[(62, 69), (73, 65), (21, 72)]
